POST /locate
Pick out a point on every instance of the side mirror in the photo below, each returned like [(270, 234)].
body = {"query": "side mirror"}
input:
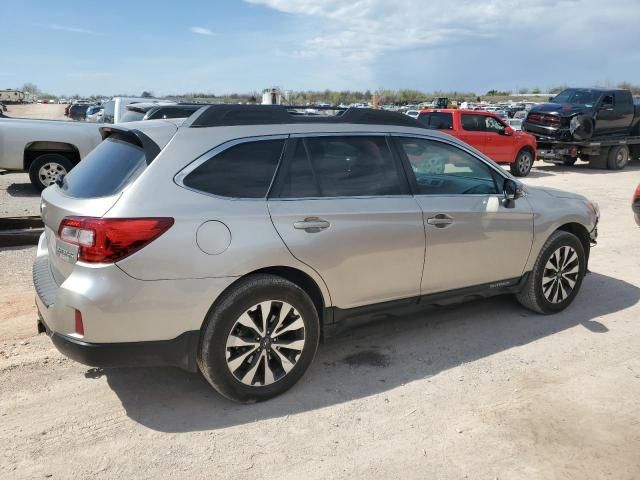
[(508, 131), (511, 191)]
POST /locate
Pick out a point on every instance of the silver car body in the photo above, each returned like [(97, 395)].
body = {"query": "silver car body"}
[(378, 249)]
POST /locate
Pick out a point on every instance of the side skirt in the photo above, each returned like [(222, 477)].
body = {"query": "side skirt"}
[(336, 320)]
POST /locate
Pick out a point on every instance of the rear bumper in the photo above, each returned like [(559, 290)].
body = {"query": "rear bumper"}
[(179, 352)]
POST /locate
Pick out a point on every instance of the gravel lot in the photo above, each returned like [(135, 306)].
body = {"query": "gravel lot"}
[(482, 390)]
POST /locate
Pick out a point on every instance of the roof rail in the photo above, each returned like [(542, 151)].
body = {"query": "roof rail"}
[(236, 115)]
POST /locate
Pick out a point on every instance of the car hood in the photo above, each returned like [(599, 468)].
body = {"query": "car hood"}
[(559, 109), (554, 192)]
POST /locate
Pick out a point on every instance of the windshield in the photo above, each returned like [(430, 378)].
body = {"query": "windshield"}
[(132, 116), (577, 97)]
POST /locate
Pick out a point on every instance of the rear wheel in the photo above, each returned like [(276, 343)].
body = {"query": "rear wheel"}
[(523, 163), (259, 339), (44, 170), (618, 157), (569, 160), (556, 276)]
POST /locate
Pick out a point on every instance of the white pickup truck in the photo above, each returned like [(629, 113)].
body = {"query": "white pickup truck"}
[(45, 148)]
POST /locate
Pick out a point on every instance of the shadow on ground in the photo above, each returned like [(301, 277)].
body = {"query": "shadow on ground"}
[(545, 169), (22, 190), (368, 360)]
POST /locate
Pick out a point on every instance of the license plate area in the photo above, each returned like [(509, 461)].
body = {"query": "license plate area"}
[(66, 251)]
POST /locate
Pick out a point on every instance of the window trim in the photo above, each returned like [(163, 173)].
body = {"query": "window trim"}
[(411, 177), (294, 138), (179, 177)]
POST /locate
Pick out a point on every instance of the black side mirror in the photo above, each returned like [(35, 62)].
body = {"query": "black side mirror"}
[(511, 190)]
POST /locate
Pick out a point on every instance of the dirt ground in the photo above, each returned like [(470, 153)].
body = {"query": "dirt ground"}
[(50, 111), (483, 390)]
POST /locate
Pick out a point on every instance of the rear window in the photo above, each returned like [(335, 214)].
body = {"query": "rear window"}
[(437, 120), (109, 168), (241, 171)]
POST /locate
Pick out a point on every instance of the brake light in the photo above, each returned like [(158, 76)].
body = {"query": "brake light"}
[(107, 240)]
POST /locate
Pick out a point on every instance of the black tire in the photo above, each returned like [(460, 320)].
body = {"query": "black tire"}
[(532, 295), (58, 164), (581, 128), (569, 160), (618, 157), (221, 322), (523, 163)]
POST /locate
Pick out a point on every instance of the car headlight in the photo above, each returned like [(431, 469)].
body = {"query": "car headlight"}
[(594, 207)]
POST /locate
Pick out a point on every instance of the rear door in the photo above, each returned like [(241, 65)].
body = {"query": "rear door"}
[(341, 204), (472, 237)]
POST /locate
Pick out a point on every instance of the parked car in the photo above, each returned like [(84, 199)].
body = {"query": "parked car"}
[(44, 148), (635, 204), (412, 113), (231, 242), (94, 113), (581, 113), (488, 133), (597, 125), (78, 111), (116, 108)]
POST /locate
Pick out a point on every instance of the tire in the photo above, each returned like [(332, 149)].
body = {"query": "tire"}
[(44, 169), (539, 293), (226, 339), (569, 160), (618, 157), (523, 163), (581, 128)]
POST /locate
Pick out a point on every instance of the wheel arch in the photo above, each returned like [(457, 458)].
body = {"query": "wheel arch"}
[(33, 150), (581, 232), (530, 149)]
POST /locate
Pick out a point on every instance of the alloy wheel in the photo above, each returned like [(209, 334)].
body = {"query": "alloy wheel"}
[(265, 343), (524, 165), (48, 173), (560, 274)]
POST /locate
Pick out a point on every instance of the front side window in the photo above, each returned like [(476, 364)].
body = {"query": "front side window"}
[(443, 169), (241, 171), (481, 123), (493, 125), (340, 167)]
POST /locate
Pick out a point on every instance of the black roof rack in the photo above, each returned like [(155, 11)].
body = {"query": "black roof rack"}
[(236, 115)]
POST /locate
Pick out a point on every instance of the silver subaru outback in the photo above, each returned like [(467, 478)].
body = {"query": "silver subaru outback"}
[(233, 241)]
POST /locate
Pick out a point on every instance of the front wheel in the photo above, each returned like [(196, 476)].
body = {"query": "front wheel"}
[(523, 163), (45, 169), (557, 275), (259, 339)]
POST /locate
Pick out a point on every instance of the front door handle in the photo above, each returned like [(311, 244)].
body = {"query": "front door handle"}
[(312, 225), (441, 220)]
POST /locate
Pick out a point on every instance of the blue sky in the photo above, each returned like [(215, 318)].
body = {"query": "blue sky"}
[(225, 46)]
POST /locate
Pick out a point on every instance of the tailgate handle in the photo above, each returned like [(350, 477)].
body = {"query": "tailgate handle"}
[(312, 225), (441, 220)]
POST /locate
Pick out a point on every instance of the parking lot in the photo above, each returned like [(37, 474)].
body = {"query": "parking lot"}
[(481, 390)]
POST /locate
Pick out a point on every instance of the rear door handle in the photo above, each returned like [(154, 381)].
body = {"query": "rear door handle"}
[(312, 225), (441, 220)]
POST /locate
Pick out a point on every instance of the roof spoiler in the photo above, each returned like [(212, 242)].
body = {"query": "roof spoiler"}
[(151, 148)]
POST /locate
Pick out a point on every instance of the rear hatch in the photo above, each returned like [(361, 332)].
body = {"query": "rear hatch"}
[(93, 187)]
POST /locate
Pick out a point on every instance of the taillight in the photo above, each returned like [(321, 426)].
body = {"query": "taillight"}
[(107, 240)]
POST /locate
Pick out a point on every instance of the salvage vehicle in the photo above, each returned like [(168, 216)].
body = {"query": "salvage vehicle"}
[(597, 125), (232, 241), (488, 133), (635, 204), (44, 148)]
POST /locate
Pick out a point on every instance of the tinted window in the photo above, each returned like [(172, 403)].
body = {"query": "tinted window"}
[(623, 98), (109, 167), (341, 167), (443, 169), (437, 120), (241, 171), (173, 112), (481, 123)]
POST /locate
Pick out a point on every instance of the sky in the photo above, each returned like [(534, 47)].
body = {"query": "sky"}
[(225, 46)]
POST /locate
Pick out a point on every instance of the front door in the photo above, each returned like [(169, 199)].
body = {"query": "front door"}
[(342, 205), (472, 237)]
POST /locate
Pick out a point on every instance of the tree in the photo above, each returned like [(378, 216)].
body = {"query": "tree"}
[(523, 91), (536, 90), (31, 88), (147, 94)]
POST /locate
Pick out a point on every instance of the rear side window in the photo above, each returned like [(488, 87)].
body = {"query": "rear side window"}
[(241, 171), (473, 123), (109, 168), (437, 120), (340, 167)]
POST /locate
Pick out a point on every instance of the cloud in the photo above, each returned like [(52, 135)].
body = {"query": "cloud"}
[(201, 31), (364, 30), (71, 29)]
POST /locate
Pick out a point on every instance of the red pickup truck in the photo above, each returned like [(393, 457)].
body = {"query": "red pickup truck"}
[(488, 133)]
